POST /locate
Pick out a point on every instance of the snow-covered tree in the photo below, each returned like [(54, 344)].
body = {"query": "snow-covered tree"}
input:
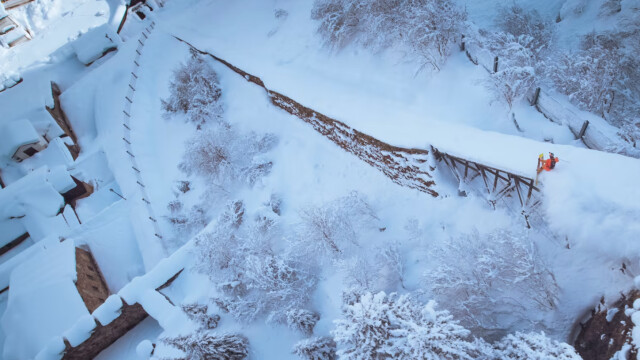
[(516, 73), (588, 76), (610, 7), (195, 91), (186, 222), (224, 156), (199, 313), (340, 20), (278, 284), (519, 22), (316, 348), (238, 256), (533, 346), (219, 252), (332, 228), (434, 27), (497, 273), (425, 28), (381, 326), (380, 271), (204, 345), (302, 320)]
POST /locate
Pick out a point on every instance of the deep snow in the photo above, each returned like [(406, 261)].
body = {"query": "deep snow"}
[(589, 215)]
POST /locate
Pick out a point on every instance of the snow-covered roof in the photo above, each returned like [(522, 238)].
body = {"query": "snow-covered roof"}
[(33, 94), (31, 193), (60, 179), (43, 301), (91, 45), (44, 123), (34, 203), (15, 134)]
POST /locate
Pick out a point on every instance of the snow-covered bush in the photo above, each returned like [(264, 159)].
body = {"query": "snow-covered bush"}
[(199, 313), (433, 27), (379, 326), (382, 271), (602, 78), (195, 91), (186, 222), (219, 252), (498, 273), (203, 345), (533, 346), (238, 257), (516, 73), (588, 76), (316, 348), (519, 22), (610, 7), (302, 320), (271, 285), (224, 156), (278, 285), (340, 20), (426, 28), (332, 228)]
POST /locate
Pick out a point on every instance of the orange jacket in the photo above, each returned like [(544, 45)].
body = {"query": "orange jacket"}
[(546, 164)]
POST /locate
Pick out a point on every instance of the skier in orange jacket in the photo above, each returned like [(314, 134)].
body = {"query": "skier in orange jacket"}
[(548, 164)]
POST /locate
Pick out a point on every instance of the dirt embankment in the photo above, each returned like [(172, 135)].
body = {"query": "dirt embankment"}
[(406, 167), (607, 330)]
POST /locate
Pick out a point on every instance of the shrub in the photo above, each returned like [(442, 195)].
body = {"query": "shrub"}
[(195, 91)]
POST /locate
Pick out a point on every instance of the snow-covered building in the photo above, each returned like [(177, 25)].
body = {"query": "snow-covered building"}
[(95, 43), (35, 121), (19, 140), (43, 304), (36, 207)]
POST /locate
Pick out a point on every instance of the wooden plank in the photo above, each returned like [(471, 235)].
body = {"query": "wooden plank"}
[(18, 41), (530, 190), (12, 4), (13, 243)]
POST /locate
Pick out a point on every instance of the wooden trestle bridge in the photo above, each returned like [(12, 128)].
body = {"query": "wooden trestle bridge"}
[(498, 183)]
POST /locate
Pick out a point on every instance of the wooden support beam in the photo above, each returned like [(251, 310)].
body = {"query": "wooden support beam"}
[(517, 181), (484, 177), (495, 182), (508, 187)]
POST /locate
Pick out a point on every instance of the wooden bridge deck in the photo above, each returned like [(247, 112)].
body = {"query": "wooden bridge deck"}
[(498, 183)]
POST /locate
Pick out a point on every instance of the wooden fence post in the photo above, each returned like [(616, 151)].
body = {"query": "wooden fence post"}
[(583, 129), (536, 96)]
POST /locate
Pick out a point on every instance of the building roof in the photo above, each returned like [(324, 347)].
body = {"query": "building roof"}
[(91, 45), (34, 201), (43, 301), (33, 94), (16, 133)]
